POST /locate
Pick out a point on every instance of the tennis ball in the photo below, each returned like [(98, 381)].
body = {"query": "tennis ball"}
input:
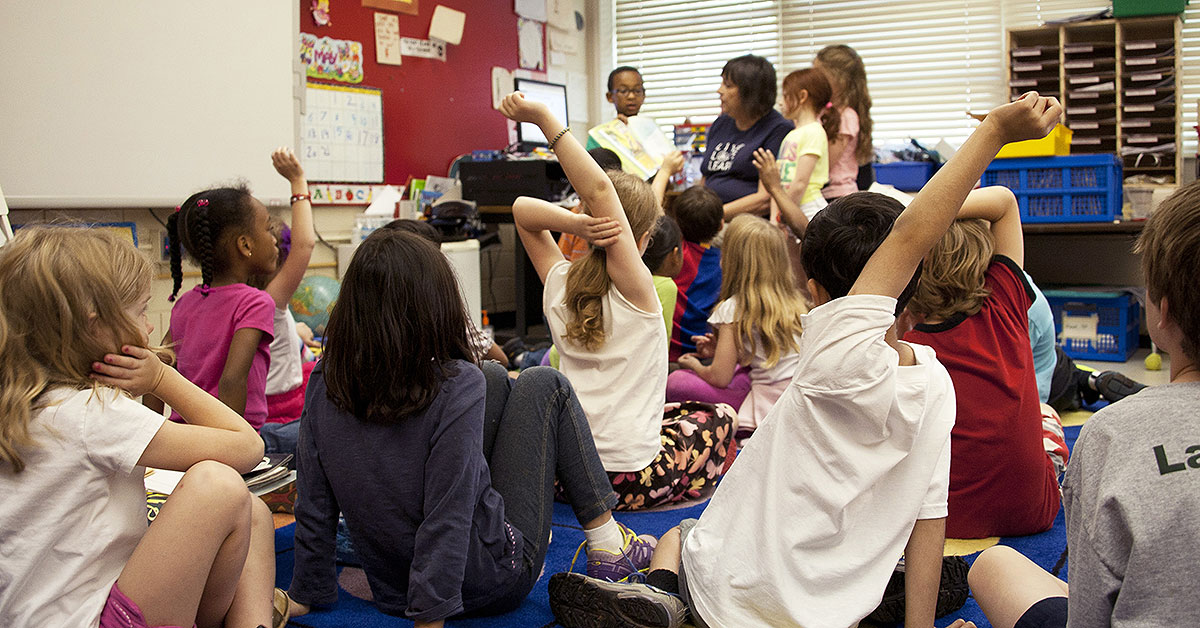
[(1153, 362)]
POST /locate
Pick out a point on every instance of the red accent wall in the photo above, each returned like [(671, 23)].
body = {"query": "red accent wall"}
[(433, 111)]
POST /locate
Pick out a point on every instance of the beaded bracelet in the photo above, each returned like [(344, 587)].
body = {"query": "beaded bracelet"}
[(558, 137), (301, 197)]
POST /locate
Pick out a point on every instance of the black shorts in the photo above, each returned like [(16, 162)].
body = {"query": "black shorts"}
[(1048, 613)]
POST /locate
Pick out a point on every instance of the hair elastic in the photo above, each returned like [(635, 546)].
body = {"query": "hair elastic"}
[(177, 208), (171, 299), (829, 105), (205, 289), (559, 136), (202, 202)]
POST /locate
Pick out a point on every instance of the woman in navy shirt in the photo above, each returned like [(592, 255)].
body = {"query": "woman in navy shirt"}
[(748, 121)]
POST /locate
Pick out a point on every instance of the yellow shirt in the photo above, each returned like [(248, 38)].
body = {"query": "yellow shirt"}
[(806, 139)]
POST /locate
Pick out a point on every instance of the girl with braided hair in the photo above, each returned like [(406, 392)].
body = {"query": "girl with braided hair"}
[(222, 329)]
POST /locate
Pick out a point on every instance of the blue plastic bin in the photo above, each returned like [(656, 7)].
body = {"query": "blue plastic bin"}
[(1115, 317), (905, 175), (1074, 188)]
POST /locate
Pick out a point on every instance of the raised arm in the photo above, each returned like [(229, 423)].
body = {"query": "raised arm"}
[(998, 206), (304, 237), (768, 177), (596, 191), (535, 219), (924, 222), (672, 163)]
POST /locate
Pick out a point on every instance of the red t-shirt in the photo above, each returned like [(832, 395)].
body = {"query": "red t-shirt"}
[(1001, 481)]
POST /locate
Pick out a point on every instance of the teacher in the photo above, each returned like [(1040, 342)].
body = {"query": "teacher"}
[(748, 121)]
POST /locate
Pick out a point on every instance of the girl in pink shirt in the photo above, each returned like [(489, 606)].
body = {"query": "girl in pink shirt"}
[(222, 328), (850, 148)]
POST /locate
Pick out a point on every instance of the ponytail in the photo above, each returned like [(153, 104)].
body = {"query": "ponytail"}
[(199, 225), (831, 121)]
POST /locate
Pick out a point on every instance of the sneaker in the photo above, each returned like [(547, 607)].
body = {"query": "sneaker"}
[(634, 557), (578, 601), (952, 593), (1114, 386)]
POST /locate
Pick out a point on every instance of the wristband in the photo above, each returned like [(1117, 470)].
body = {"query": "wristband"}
[(301, 197), (559, 136)]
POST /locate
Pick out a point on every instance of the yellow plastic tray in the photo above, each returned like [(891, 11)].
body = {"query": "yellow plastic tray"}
[(1057, 143)]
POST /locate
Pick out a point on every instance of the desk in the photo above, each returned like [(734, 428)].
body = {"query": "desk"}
[(527, 285), (1099, 253)]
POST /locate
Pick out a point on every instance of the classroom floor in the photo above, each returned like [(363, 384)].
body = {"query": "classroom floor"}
[(1135, 368)]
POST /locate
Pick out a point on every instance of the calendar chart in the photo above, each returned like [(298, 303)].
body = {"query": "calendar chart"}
[(342, 134)]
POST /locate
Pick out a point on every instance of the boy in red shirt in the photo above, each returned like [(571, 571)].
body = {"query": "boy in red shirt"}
[(1007, 447)]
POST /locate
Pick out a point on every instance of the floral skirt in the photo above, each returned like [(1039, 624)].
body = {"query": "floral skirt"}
[(697, 439)]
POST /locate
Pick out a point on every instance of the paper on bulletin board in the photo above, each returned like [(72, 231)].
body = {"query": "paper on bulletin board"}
[(502, 85), (341, 134), (387, 39), (531, 9), (577, 91), (447, 25), (425, 48), (561, 13), (563, 41), (334, 59), (529, 38)]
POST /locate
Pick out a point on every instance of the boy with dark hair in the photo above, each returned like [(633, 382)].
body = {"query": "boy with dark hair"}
[(851, 472), (700, 216), (1130, 490)]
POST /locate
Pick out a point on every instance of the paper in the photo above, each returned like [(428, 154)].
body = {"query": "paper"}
[(502, 85), (447, 25), (1080, 327), (555, 58), (335, 59), (640, 144), (529, 38), (387, 39), (162, 480), (561, 13), (563, 41), (531, 9), (341, 134), (425, 48), (384, 203)]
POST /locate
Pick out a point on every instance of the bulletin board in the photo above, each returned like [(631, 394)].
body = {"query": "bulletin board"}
[(341, 134)]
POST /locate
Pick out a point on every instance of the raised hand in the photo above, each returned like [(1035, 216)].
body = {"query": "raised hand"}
[(515, 107), (673, 162), (138, 371), (1029, 117), (286, 164), (768, 169)]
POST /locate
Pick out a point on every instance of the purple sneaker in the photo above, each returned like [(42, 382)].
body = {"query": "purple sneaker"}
[(634, 557)]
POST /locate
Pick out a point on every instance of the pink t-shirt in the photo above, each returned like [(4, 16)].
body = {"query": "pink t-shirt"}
[(843, 173), (202, 328)]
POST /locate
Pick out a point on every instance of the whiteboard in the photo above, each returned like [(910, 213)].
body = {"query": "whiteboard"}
[(341, 134), (140, 103)]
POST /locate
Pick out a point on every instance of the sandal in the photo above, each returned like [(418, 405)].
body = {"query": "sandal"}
[(280, 608)]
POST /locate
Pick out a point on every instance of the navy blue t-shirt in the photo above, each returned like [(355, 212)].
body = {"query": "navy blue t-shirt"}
[(728, 166), (418, 500)]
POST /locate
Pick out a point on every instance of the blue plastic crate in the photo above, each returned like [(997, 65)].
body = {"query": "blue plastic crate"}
[(905, 175), (1074, 188), (1101, 325)]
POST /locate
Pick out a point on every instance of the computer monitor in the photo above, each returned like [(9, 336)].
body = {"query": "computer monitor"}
[(553, 95)]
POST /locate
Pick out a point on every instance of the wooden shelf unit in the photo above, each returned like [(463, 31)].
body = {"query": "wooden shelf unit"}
[(1119, 81)]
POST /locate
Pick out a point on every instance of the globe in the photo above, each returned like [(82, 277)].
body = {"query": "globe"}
[(313, 301)]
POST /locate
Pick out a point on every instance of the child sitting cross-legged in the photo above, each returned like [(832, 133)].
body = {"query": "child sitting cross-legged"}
[(849, 470), (1130, 491), (973, 305), (757, 324), (606, 321)]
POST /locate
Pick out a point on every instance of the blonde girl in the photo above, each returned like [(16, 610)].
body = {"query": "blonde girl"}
[(850, 149), (756, 324), (74, 446), (795, 181), (606, 320)]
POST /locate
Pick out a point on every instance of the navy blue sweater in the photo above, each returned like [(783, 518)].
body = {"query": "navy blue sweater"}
[(417, 497)]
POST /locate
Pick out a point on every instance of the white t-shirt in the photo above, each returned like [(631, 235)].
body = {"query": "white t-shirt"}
[(808, 524), (70, 521), (622, 387), (285, 372), (766, 384)]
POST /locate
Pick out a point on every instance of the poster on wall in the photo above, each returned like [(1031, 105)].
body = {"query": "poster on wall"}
[(529, 38), (387, 39), (333, 59), (341, 134)]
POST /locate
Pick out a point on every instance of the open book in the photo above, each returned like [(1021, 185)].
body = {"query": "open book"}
[(272, 469), (640, 144)]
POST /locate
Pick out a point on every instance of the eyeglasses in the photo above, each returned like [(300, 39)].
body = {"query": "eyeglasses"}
[(637, 91)]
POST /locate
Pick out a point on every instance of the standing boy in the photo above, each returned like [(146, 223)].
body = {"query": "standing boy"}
[(852, 471)]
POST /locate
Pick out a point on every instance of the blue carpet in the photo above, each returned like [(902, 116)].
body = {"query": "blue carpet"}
[(1046, 549)]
